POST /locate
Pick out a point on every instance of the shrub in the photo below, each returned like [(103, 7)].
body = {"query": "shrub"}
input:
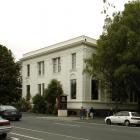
[(25, 105), (39, 104)]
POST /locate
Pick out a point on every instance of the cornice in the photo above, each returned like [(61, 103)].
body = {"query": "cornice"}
[(60, 46)]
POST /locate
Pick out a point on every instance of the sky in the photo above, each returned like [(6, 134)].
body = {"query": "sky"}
[(28, 25)]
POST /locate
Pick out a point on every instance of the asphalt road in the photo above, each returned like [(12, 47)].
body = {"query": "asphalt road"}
[(33, 127)]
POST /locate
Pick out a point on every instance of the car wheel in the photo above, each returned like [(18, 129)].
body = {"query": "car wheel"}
[(108, 121), (4, 135), (126, 123), (17, 119)]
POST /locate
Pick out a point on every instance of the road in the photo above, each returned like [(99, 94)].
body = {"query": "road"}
[(33, 127)]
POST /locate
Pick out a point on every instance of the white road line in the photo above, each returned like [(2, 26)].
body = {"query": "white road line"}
[(50, 133), (25, 136), (65, 124)]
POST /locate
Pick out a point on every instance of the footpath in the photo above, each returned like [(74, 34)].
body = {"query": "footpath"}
[(99, 120)]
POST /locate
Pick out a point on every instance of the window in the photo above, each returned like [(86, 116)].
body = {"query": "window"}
[(43, 88), (56, 64), (73, 88), (133, 97), (41, 68), (39, 89), (59, 65), (27, 89), (28, 70), (94, 89), (73, 61)]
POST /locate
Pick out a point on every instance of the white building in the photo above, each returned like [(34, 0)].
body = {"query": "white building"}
[(65, 62)]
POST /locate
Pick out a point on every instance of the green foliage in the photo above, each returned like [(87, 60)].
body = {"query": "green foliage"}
[(10, 80), (54, 89), (46, 103), (25, 105), (117, 61), (40, 105)]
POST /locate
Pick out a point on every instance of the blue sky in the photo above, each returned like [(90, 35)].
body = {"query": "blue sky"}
[(27, 25)]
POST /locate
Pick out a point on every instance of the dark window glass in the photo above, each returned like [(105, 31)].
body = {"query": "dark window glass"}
[(39, 68), (28, 70), (94, 89), (59, 64), (39, 88), (54, 65), (131, 96), (28, 89), (43, 88), (73, 61), (135, 97), (73, 89)]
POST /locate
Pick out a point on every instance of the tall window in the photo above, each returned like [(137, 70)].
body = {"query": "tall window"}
[(41, 68), (59, 64), (73, 88), (73, 61), (39, 89), (56, 64), (43, 88), (94, 89), (28, 70), (133, 97), (28, 95)]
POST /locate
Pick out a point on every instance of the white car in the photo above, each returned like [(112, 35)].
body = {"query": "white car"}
[(124, 117), (5, 127)]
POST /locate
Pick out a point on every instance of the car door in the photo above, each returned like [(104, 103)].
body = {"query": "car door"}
[(124, 116), (117, 117)]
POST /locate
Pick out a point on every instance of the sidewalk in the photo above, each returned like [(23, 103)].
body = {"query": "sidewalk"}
[(77, 119), (99, 120)]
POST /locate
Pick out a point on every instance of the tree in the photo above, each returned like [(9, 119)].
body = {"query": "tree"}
[(10, 82), (52, 92), (117, 61), (40, 105)]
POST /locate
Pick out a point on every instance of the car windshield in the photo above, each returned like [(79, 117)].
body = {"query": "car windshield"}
[(8, 108), (1, 118), (136, 114)]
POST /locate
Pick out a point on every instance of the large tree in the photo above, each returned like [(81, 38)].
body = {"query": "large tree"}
[(10, 86), (117, 61)]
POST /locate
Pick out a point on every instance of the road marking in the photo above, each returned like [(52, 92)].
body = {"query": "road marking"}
[(25, 136), (50, 133), (65, 124), (13, 138)]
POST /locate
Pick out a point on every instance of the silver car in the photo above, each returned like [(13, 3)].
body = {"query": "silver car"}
[(124, 117), (5, 127)]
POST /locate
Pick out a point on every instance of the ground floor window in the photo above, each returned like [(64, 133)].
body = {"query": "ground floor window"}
[(94, 89), (73, 88), (133, 97), (28, 92), (41, 88)]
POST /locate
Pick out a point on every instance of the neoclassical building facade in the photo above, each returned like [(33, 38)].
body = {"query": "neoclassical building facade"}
[(64, 61)]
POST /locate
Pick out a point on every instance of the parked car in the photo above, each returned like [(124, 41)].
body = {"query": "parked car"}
[(5, 127), (10, 112), (124, 117)]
